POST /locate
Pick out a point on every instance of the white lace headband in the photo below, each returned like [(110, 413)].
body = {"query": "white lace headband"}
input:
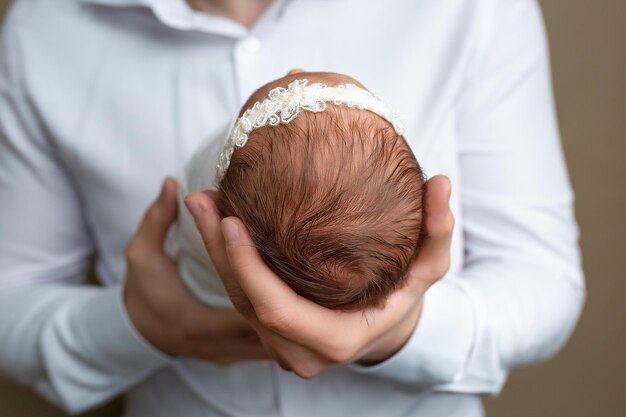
[(282, 105)]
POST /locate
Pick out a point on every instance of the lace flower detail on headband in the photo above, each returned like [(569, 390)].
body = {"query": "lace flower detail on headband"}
[(282, 105)]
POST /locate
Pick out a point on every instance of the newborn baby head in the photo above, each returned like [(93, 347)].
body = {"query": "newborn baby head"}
[(332, 199)]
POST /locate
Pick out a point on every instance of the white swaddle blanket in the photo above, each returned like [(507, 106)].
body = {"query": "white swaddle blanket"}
[(194, 263)]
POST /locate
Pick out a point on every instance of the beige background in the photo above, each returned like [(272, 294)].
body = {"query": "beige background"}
[(588, 378)]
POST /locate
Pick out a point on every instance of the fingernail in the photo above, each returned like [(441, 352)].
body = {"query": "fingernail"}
[(195, 208), (230, 231)]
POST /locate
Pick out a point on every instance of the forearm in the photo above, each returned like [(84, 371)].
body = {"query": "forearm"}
[(73, 344), (477, 325)]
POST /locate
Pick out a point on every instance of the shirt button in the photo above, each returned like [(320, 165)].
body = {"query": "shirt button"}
[(250, 44)]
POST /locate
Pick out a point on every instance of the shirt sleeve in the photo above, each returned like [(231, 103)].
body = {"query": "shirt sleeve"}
[(72, 343), (521, 289)]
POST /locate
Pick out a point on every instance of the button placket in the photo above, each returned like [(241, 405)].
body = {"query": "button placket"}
[(247, 55), (251, 44)]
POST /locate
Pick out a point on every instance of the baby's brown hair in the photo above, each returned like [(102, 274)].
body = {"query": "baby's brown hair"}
[(332, 200)]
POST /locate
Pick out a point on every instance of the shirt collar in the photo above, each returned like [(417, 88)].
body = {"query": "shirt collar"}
[(118, 2), (177, 14)]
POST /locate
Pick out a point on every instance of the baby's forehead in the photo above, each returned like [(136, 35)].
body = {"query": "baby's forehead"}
[(329, 78)]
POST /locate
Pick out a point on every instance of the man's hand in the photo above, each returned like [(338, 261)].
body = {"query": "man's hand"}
[(305, 337), (165, 312)]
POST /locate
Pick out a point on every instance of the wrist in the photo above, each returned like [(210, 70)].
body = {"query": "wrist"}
[(112, 334), (143, 322), (393, 341)]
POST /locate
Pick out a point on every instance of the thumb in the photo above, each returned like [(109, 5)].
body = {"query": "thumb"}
[(433, 260), (158, 218)]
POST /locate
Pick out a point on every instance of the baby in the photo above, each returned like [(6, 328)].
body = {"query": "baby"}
[(317, 169)]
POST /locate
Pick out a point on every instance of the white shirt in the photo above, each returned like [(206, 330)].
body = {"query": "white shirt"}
[(100, 99)]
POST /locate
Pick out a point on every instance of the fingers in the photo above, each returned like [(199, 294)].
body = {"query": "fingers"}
[(433, 260), (265, 290), (203, 208), (270, 305), (276, 306), (204, 211), (158, 218), (255, 290), (206, 323)]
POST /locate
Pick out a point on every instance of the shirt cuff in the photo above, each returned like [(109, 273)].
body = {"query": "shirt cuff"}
[(119, 341), (94, 350), (439, 347)]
